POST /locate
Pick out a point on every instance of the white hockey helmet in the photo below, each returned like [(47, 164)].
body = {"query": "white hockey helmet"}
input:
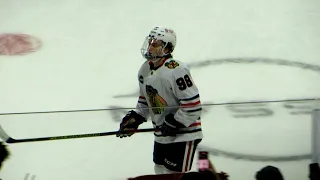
[(167, 35)]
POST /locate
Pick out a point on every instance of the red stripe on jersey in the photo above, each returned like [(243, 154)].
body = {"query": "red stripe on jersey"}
[(195, 124), (142, 97), (191, 104), (186, 167)]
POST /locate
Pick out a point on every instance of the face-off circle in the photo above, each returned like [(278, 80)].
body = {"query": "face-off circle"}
[(18, 44)]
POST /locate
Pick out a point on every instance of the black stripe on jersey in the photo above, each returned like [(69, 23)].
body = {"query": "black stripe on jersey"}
[(193, 110), (189, 99), (181, 132), (144, 103), (192, 131)]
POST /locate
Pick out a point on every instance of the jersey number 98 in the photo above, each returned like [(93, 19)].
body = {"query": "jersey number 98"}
[(184, 82)]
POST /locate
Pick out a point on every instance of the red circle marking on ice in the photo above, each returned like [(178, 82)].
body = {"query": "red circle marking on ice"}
[(18, 44)]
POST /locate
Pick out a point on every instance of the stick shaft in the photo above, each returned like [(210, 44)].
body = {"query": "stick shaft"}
[(75, 136)]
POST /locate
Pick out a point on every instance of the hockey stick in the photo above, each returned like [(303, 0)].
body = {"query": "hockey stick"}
[(6, 138)]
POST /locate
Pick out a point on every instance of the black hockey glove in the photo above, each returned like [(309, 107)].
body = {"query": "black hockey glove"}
[(171, 126), (131, 122)]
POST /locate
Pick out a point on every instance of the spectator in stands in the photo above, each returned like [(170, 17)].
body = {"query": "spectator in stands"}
[(4, 153), (269, 173), (211, 174)]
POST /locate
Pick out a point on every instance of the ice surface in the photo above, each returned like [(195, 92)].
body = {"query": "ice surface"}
[(90, 58)]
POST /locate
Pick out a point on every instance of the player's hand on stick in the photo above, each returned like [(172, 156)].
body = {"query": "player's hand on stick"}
[(129, 124), (171, 126)]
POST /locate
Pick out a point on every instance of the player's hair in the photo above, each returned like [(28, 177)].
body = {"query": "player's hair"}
[(4, 153), (169, 47)]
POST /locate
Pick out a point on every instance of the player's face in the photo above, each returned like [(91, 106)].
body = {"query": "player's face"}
[(155, 47)]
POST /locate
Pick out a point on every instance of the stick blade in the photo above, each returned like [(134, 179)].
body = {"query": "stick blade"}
[(3, 135)]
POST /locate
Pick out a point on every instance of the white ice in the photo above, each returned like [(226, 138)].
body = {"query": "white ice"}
[(91, 53)]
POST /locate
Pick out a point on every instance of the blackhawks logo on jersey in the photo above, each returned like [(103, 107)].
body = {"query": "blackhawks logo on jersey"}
[(171, 64), (156, 101)]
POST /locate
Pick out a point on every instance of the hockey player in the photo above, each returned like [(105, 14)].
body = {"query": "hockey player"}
[(170, 97)]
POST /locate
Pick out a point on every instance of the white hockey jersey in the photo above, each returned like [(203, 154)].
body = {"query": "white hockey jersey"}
[(170, 89)]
